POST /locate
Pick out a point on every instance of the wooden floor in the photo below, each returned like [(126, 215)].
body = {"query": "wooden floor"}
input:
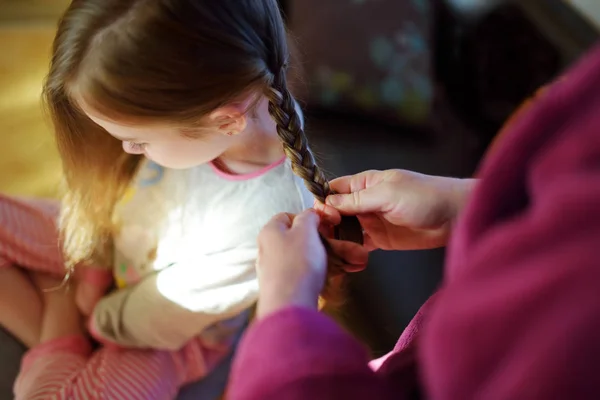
[(28, 160)]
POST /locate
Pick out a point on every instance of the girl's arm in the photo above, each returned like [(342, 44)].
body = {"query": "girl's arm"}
[(167, 309)]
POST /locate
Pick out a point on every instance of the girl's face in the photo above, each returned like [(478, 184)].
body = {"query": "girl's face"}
[(166, 145)]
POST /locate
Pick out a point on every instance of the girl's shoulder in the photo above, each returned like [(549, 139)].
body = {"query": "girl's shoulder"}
[(274, 184), (270, 190), (153, 190)]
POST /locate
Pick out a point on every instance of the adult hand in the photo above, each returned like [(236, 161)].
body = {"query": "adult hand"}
[(292, 262), (398, 210)]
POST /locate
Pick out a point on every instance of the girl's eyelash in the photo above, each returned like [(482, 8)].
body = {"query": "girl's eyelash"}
[(136, 146)]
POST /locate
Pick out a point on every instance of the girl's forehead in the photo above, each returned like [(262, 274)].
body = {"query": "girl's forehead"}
[(128, 131), (101, 119), (104, 116)]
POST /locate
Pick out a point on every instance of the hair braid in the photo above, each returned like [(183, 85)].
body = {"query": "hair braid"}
[(282, 108)]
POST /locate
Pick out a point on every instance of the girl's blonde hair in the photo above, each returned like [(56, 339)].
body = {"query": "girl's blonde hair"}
[(158, 61)]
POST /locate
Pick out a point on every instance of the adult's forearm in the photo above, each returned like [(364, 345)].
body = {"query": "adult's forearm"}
[(461, 194), (301, 354)]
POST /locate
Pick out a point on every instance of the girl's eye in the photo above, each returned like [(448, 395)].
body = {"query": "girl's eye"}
[(136, 146)]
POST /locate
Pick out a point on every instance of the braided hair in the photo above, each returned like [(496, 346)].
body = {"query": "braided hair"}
[(162, 61), (282, 108)]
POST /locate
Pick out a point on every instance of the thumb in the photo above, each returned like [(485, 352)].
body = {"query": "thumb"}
[(362, 201), (279, 223), (307, 219)]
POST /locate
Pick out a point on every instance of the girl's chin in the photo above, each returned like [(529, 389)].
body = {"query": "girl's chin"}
[(178, 165)]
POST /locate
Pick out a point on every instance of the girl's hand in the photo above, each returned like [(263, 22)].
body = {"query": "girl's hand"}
[(21, 306), (61, 316), (292, 262), (91, 285), (399, 210)]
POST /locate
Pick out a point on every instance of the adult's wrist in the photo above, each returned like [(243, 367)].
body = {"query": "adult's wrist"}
[(460, 194), (280, 298)]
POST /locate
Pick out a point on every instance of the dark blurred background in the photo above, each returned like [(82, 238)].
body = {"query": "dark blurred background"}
[(423, 85), (426, 86)]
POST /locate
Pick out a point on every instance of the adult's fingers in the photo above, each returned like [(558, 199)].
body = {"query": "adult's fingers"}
[(352, 183), (328, 214), (351, 269), (326, 229), (306, 219), (373, 199), (369, 244), (279, 223), (353, 253)]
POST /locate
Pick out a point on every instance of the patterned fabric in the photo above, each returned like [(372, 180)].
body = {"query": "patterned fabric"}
[(185, 252), (67, 368), (371, 56)]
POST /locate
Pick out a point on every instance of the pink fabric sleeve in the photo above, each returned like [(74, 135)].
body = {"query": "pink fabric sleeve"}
[(519, 314), (301, 354), (66, 369), (29, 238), (519, 317), (45, 367), (524, 321)]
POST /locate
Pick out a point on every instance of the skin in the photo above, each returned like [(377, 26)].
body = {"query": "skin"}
[(240, 143), (21, 306), (237, 142), (397, 210), (298, 277)]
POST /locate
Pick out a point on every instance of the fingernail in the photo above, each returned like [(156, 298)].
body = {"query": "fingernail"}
[(334, 200), (357, 257), (355, 268)]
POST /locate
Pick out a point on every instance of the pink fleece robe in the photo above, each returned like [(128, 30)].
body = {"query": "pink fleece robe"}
[(518, 316)]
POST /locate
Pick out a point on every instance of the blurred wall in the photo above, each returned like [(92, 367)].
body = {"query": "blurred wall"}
[(29, 164), (589, 8), (19, 10)]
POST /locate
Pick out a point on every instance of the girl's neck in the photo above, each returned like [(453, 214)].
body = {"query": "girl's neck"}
[(258, 146), (252, 162)]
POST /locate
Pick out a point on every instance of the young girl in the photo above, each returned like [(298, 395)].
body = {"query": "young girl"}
[(170, 117)]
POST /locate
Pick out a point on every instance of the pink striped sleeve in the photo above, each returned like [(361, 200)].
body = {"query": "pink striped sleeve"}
[(66, 369), (46, 367)]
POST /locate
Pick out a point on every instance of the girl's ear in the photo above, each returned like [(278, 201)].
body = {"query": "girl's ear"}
[(230, 120)]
